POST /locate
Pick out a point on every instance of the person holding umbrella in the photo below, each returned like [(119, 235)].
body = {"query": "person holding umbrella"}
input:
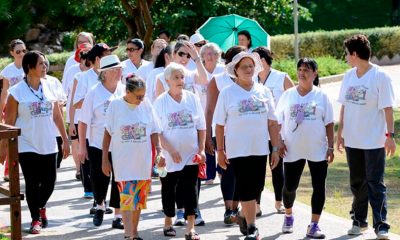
[(244, 40)]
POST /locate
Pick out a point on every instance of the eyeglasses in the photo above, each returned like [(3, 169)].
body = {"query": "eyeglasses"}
[(132, 49), (20, 51), (182, 54), (200, 44)]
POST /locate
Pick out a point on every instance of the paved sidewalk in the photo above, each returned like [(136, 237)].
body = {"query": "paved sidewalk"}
[(69, 216)]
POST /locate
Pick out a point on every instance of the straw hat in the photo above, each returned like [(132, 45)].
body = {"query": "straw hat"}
[(230, 67)]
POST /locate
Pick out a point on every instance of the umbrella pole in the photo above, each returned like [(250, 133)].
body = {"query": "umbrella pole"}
[(296, 31)]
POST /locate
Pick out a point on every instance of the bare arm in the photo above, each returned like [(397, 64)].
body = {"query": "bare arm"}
[(220, 138), (287, 83), (159, 88), (212, 97), (3, 96), (339, 140), (330, 136), (390, 144), (10, 118), (201, 135), (105, 162), (273, 129), (201, 74), (59, 121), (72, 130), (82, 153), (155, 140)]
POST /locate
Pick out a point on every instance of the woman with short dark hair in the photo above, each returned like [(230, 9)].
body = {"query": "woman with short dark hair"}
[(32, 107), (244, 40)]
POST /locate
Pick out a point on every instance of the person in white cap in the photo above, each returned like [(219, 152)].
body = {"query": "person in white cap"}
[(93, 118), (240, 107)]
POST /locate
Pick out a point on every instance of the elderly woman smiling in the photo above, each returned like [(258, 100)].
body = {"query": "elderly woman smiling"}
[(183, 138), (240, 107)]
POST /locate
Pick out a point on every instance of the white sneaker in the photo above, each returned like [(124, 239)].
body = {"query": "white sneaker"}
[(383, 234), (356, 230)]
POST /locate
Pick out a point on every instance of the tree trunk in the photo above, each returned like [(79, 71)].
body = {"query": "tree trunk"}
[(395, 12)]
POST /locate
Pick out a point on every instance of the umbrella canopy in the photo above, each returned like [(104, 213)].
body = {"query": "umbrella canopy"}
[(223, 31)]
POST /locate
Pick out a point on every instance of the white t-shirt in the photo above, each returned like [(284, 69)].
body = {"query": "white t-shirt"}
[(364, 100), (180, 123), (245, 115), (276, 83), (144, 70), (34, 118), (68, 77), (309, 140), (191, 65), (223, 80), (13, 74), (70, 62), (128, 67), (130, 130), (88, 80), (94, 109), (57, 90), (77, 76), (202, 88), (151, 83)]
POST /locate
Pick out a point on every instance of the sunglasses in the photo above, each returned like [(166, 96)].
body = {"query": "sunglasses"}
[(199, 44), (132, 49), (20, 51), (182, 54)]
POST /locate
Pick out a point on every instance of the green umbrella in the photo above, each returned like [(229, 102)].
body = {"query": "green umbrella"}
[(223, 31)]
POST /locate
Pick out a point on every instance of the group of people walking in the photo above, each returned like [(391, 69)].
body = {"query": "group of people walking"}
[(187, 107)]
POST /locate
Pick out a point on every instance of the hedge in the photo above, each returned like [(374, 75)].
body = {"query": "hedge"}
[(384, 41)]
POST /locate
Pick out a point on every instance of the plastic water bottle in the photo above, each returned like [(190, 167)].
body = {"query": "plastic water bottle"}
[(162, 172)]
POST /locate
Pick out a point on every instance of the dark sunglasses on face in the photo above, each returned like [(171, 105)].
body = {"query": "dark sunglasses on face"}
[(199, 44), (132, 49), (182, 54), (19, 51)]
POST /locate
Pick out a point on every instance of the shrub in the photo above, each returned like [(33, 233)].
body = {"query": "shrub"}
[(384, 41), (327, 66)]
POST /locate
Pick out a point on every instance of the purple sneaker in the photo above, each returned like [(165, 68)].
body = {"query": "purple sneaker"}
[(288, 224), (313, 231)]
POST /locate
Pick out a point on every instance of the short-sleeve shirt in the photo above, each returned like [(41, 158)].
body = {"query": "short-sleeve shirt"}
[(245, 115), (364, 100), (308, 139), (180, 122), (276, 83), (34, 118), (13, 74), (130, 130), (87, 81), (94, 109), (128, 68)]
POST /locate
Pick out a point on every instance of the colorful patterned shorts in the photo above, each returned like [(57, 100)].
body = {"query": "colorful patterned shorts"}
[(133, 194)]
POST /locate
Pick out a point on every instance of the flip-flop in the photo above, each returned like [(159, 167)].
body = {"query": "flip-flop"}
[(192, 236), (169, 232)]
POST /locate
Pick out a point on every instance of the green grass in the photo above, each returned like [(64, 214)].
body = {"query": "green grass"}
[(338, 194), (326, 66)]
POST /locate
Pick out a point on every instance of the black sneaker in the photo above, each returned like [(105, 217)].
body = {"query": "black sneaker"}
[(252, 233), (109, 210), (229, 218), (98, 217), (241, 220), (93, 210), (117, 223)]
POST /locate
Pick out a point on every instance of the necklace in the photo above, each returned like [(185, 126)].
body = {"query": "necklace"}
[(265, 78), (33, 92)]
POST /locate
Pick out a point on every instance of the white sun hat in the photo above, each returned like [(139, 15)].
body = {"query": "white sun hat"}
[(230, 67), (109, 62), (197, 37)]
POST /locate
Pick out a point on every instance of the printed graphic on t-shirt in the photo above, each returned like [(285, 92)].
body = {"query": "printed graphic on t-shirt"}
[(304, 109), (189, 87), (181, 119), (15, 80), (40, 109), (105, 106), (133, 132), (251, 106), (356, 94)]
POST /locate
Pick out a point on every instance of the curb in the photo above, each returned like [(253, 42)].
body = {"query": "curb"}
[(331, 79)]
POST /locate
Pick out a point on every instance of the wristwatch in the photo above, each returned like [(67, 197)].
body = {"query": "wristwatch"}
[(275, 149), (390, 135)]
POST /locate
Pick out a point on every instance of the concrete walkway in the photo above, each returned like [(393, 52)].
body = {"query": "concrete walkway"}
[(69, 216)]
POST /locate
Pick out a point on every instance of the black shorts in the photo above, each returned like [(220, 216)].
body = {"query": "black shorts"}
[(250, 176), (77, 134)]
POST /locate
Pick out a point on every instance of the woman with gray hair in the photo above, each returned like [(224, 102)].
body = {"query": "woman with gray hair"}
[(93, 118), (132, 126), (183, 139)]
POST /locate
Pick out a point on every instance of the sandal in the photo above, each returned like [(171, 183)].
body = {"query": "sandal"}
[(192, 236), (169, 232)]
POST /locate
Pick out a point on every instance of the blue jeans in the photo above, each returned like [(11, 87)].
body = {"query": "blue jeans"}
[(367, 170)]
